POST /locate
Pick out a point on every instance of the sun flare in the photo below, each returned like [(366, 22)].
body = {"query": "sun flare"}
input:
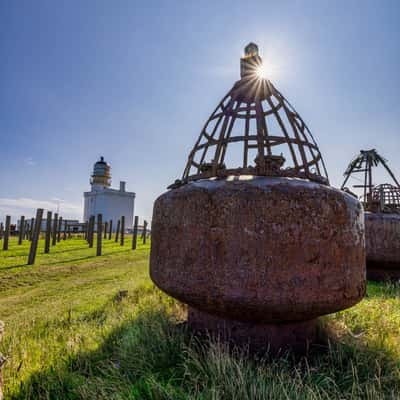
[(260, 71)]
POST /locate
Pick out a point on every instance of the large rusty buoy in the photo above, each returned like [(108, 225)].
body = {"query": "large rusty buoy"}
[(259, 251)]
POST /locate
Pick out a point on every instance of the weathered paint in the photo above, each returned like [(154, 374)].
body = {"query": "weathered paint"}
[(265, 250)]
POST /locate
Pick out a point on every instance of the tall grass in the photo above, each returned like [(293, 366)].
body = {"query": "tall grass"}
[(93, 344), (146, 353)]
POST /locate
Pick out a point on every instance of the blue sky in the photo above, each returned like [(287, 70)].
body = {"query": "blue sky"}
[(135, 81)]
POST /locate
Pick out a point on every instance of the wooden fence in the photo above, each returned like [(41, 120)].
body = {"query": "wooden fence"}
[(56, 228)]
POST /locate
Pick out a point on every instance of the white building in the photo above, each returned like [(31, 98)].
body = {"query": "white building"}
[(111, 203)]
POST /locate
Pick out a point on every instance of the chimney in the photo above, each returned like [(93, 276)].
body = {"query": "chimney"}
[(122, 186)]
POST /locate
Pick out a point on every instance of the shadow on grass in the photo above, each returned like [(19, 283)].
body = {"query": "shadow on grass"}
[(91, 256), (146, 346), (84, 246), (15, 266), (11, 254), (54, 250), (152, 357), (42, 262)]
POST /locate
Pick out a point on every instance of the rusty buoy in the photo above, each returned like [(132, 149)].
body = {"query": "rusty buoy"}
[(382, 216), (261, 250)]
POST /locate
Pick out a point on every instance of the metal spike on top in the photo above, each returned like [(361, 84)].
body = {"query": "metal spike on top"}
[(256, 127), (381, 198)]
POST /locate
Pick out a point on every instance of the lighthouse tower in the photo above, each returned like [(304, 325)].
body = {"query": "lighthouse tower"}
[(102, 199)]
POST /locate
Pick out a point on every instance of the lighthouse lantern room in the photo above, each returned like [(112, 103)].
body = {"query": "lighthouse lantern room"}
[(102, 199)]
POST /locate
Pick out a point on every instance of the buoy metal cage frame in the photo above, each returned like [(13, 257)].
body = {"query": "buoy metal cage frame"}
[(255, 114), (376, 198)]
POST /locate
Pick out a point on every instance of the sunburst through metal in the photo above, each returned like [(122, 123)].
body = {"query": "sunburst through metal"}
[(254, 130)]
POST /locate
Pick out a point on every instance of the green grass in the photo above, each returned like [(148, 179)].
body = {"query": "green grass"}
[(69, 336)]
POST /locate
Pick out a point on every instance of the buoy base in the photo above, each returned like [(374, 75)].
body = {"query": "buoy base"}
[(276, 338), (381, 272)]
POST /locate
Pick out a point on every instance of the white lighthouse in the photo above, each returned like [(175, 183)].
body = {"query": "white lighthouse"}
[(111, 203)]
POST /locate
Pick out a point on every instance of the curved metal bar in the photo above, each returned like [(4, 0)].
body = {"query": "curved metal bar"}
[(383, 161), (375, 198), (245, 102)]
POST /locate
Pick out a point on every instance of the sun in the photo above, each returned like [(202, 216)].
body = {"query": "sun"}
[(260, 72)]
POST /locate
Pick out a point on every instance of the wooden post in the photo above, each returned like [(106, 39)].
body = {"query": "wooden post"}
[(21, 232), (35, 236), (122, 230), (110, 230), (89, 222), (1, 230), (48, 233), (85, 235), (105, 229), (99, 233), (117, 231), (91, 231), (59, 227), (7, 232), (135, 231), (26, 230), (31, 228), (54, 233), (65, 230), (144, 232), (89, 225)]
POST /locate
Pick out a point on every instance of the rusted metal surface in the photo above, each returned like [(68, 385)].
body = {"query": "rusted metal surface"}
[(256, 128), (263, 249), (382, 221), (382, 234)]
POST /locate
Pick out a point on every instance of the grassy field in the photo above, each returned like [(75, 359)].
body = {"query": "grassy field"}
[(69, 335)]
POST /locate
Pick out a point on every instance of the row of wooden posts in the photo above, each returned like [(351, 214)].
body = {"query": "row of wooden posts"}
[(104, 230), (27, 228), (31, 231)]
